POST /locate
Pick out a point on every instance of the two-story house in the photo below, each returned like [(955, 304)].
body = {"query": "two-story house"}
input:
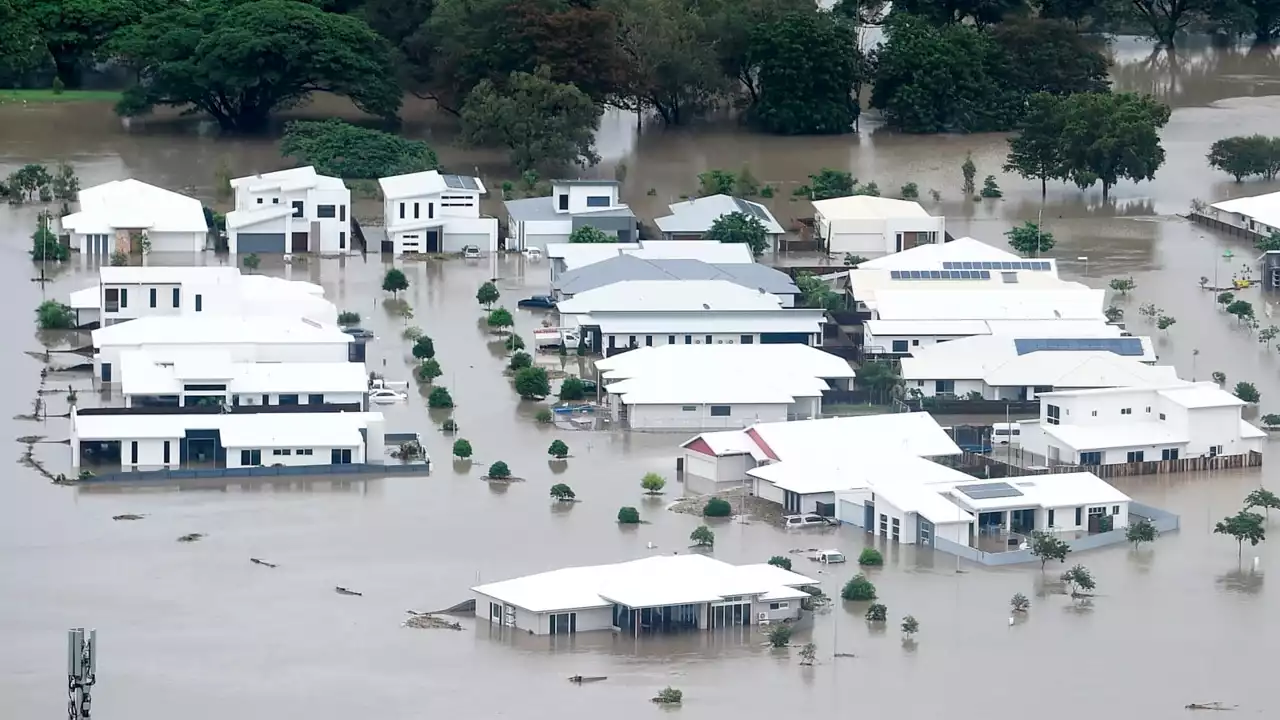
[(427, 212), (874, 226), (536, 222), (290, 211), (117, 216)]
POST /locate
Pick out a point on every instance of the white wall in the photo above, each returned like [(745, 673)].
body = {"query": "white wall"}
[(537, 233), (150, 453), (138, 299), (245, 352), (588, 620), (874, 236), (330, 228), (319, 456), (957, 533), (907, 522), (883, 344), (578, 195), (698, 417), (641, 340), (274, 398), (791, 611), (929, 388), (177, 241)]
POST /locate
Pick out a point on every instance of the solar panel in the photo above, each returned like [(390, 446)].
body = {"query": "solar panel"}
[(1125, 347), (460, 182), (939, 275), (989, 491), (1034, 265), (750, 209)]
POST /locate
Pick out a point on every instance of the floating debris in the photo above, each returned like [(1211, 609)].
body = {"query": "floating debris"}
[(579, 679), (263, 563), (127, 516), (427, 621), (466, 607), (344, 591), (1210, 706), (191, 537)]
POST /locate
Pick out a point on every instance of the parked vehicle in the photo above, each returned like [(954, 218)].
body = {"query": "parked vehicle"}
[(533, 254), (470, 252), (384, 384), (1005, 433), (538, 301), (386, 395), (555, 337), (357, 332), (828, 557), (804, 521)]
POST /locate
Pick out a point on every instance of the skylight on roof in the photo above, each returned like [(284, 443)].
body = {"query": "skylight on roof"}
[(460, 182)]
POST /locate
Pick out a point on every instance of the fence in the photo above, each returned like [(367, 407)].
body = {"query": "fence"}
[(1159, 467), (961, 406), (295, 471)]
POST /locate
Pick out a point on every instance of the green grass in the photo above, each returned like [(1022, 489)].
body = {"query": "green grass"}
[(46, 95)]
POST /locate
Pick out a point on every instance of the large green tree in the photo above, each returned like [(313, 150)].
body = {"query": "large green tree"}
[(1265, 15), (1108, 137), (1167, 18), (739, 227), (731, 24), (1050, 56), (21, 44), (340, 149), (943, 78), (808, 65), (1076, 12), (542, 123), (74, 31), (242, 61), (672, 64), (1035, 152), (980, 12), (1242, 156)]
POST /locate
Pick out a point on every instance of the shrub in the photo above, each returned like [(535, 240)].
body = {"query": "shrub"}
[(119, 259), (669, 695), (558, 450), (499, 471), (877, 613), (53, 315), (780, 561), (429, 370), (499, 319), (702, 536), (487, 295), (544, 416), (1247, 392), (412, 333), (858, 588), (628, 515), (514, 342), (252, 262), (532, 382), (520, 361), (1219, 377), (653, 483), (1019, 603), (572, 389), (779, 636), (717, 507), (910, 191), (910, 626), (424, 348), (870, 557), (346, 317), (461, 448), (449, 426), (439, 398), (45, 245), (395, 281), (560, 491)]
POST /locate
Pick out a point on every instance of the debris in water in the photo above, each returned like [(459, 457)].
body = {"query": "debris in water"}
[(466, 607), (427, 621), (127, 516), (263, 563), (344, 591), (579, 679), (845, 655), (191, 537), (1210, 706)]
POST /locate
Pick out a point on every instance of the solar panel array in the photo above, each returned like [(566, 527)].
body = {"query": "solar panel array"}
[(939, 274), (1039, 265), (989, 491), (751, 209), (1126, 347), (460, 182)]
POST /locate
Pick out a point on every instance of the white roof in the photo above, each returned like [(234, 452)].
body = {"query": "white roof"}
[(576, 255), (729, 442), (931, 256), (866, 284), (663, 360), (697, 215), (857, 207), (132, 204), (654, 581), (1078, 369), (975, 357), (167, 274), (1078, 304), (1262, 208), (783, 320), (1044, 491), (1112, 435), (299, 178), (716, 389), (914, 433), (922, 328), (923, 500), (833, 474), (216, 330), (141, 374), (429, 182), (253, 215), (1201, 395), (89, 298), (262, 430), (669, 296)]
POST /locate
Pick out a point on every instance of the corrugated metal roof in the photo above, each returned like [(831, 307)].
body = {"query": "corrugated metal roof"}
[(631, 267)]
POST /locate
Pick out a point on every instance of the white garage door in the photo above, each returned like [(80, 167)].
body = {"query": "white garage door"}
[(695, 463)]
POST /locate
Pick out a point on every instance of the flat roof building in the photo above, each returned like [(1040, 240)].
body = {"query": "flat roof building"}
[(213, 376)]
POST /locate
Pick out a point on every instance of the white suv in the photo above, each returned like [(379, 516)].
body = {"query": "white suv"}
[(804, 521)]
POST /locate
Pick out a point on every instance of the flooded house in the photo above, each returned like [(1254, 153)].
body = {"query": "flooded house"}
[(686, 387), (874, 226), (663, 593), (541, 221), (564, 256), (692, 219), (213, 377), (290, 211), (130, 217), (1253, 217), (430, 212), (625, 267), (1142, 425)]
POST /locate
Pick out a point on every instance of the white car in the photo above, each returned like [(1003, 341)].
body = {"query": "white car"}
[(386, 395), (471, 252), (808, 520), (828, 557), (533, 254)]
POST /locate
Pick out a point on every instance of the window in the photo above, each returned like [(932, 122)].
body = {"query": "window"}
[(415, 211), (286, 451), (250, 457), (1161, 416), (648, 341), (1134, 456), (166, 452), (299, 208), (342, 212), (1094, 413), (340, 457), (401, 211), (305, 451), (1050, 520), (1054, 414), (719, 411), (112, 299), (944, 386), (152, 297), (289, 399), (315, 399), (326, 211), (342, 241), (199, 302), (688, 408), (884, 524), (431, 210), (688, 339), (275, 201), (897, 529), (598, 201), (1126, 411), (1169, 454), (1115, 509), (564, 623), (564, 202), (177, 297), (1148, 410), (632, 341), (708, 340), (1215, 450), (204, 387), (671, 339), (778, 606), (133, 452), (747, 339), (259, 201), (1079, 516), (899, 346), (915, 343), (1091, 458), (276, 451), (124, 298)]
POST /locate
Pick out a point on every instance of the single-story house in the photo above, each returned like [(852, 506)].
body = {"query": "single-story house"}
[(626, 266), (932, 256), (213, 377), (692, 219), (663, 593), (540, 221), (1259, 214), (565, 256), (873, 226), (118, 216), (290, 211), (429, 212)]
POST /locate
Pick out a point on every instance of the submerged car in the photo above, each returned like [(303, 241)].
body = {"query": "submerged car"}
[(471, 252), (828, 557), (356, 332), (386, 395), (803, 521), (545, 302)]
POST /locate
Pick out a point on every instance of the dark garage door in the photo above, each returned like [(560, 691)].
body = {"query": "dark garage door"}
[(784, 338), (260, 243)]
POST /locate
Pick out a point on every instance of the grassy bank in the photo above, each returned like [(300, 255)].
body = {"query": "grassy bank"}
[(49, 96)]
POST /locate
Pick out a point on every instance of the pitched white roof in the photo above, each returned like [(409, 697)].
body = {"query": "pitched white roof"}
[(699, 322), (1079, 369), (866, 284), (263, 430), (728, 442), (1070, 304), (867, 207), (670, 296), (697, 215), (429, 182), (931, 256), (576, 255), (299, 178), (923, 328), (1201, 395), (89, 298), (1141, 433), (676, 389), (1262, 208), (706, 360), (132, 204), (167, 274), (981, 357), (650, 582), (250, 216), (216, 330), (914, 433)]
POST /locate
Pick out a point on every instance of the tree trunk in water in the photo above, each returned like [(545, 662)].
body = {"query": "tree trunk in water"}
[(1106, 191), (67, 66), (1044, 187)]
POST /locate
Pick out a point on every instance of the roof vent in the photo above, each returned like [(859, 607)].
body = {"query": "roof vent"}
[(706, 306)]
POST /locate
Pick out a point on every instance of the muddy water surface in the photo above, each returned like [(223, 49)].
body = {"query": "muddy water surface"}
[(197, 628)]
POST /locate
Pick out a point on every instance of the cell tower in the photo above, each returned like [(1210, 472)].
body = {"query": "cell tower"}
[(82, 666)]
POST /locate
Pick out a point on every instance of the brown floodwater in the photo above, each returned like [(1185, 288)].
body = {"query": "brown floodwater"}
[(196, 628)]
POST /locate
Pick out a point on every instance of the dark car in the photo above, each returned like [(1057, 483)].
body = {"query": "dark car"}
[(360, 333), (537, 301), (589, 386)]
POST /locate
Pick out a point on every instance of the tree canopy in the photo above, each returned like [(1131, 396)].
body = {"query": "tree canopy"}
[(241, 65), (542, 123), (340, 149), (1243, 156), (807, 67), (739, 227), (1107, 137)]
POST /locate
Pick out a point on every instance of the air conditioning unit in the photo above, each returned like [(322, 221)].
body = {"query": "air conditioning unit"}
[(763, 617), (697, 342)]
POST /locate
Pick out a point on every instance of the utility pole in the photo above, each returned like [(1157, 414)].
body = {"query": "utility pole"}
[(81, 669)]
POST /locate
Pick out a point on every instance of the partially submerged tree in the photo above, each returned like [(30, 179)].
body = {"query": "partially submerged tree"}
[(520, 361), (499, 471), (346, 317), (424, 348), (1079, 580), (870, 557), (1262, 497), (487, 295), (562, 492), (781, 561), (877, 613), (1046, 547), (1164, 322), (1123, 286), (628, 515), (395, 281), (339, 149), (1247, 392), (702, 536), (1244, 525), (737, 227), (429, 370), (53, 315), (461, 449), (779, 636), (808, 654), (1219, 377), (513, 343), (572, 389), (532, 383), (1243, 156), (542, 123), (1019, 603), (252, 262), (669, 695), (717, 507), (1029, 239), (558, 450), (910, 626), (1141, 531), (858, 588), (653, 483), (500, 319), (439, 398)]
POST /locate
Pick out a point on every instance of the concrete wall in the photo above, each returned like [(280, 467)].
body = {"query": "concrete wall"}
[(588, 620), (907, 522), (883, 344), (578, 195), (874, 236), (327, 241), (787, 610), (698, 417), (150, 453)]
